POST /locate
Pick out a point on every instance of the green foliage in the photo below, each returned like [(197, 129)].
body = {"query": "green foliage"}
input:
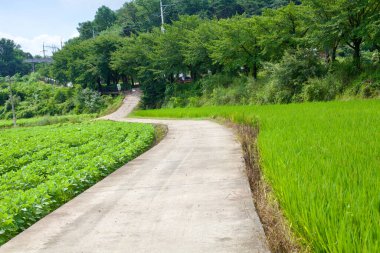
[(300, 41), (48, 166), (321, 160), (86, 30), (88, 101), (41, 99), (87, 62), (11, 59), (292, 72), (237, 45), (47, 120), (104, 18), (321, 89)]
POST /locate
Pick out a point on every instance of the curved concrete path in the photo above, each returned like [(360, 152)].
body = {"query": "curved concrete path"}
[(189, 193)]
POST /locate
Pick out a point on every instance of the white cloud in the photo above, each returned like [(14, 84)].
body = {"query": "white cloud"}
[(34, 45), (113, 4)]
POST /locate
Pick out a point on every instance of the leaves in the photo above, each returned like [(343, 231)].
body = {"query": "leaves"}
[(58, 163)]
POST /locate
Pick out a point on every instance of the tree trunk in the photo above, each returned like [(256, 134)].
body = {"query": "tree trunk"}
[(255, 70), (357, 56), (333, 53), (327, 56)]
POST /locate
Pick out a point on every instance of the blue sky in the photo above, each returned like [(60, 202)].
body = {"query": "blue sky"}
[(32, 22)]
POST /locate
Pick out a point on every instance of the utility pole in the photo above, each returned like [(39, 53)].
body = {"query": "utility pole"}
[(162, 17), (12, 101), (162, 9), (43, 49)]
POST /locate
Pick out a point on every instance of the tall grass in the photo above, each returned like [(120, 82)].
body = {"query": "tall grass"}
[(47, 120), (323, 163)]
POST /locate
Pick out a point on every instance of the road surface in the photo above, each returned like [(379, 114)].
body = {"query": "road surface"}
[(189, 193)]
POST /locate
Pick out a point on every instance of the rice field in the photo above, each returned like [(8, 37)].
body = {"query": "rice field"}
[(323, 163)]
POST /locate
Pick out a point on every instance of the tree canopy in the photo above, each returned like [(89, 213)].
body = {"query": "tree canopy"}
[(211, 37), (11, 58)]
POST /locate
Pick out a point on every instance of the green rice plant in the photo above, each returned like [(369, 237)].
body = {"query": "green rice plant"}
[(43, 167), (322, 161)]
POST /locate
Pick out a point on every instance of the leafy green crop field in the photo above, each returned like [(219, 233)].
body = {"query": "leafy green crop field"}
[(323, 163), (43, 167)]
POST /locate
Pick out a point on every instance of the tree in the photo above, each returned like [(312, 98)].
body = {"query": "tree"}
[(282, 29), (102, 48), (351, 20), (237, 45), (225, 8), (290, 74), (86, 30), (104, 18), (139, 16), (355, 17), (195, 51), (11, 59), (169, 48), (254, 7), (191, 7), (87, 62)]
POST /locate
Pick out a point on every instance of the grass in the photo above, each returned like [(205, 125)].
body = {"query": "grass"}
[(322, 161), (47, 120), (112, 107), (43, 167)]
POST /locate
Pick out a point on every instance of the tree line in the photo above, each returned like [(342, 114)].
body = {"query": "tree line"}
[(202, 38), (11, 59)]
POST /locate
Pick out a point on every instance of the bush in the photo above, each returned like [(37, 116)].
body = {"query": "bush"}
[(88, 101), (40, 99), (367, 84), (291, 73), (321, 89), (175, 102)]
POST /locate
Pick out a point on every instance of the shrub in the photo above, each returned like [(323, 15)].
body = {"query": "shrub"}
[(291, 73), (175, 102), (321, 89), (88, 101)]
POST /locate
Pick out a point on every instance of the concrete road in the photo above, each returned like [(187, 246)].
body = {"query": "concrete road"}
[(189, 193)]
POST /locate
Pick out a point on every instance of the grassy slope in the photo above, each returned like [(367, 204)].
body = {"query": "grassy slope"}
[(43, 167), (323, 162), (47, 120)]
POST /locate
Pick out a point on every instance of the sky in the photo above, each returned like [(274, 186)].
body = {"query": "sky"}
[(30, 23)]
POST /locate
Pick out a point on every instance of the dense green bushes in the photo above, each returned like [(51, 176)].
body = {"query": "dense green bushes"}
[(280, 83), (293, 52), (35, 98)]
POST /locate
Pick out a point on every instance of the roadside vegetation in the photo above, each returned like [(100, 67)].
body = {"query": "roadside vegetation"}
[(42, 168), (229, 52), (34, 98), (321, 160), (47, 120), (221, 52)]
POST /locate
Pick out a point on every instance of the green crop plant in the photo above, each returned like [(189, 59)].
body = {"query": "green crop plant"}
[(43, 167), (322, 161)]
